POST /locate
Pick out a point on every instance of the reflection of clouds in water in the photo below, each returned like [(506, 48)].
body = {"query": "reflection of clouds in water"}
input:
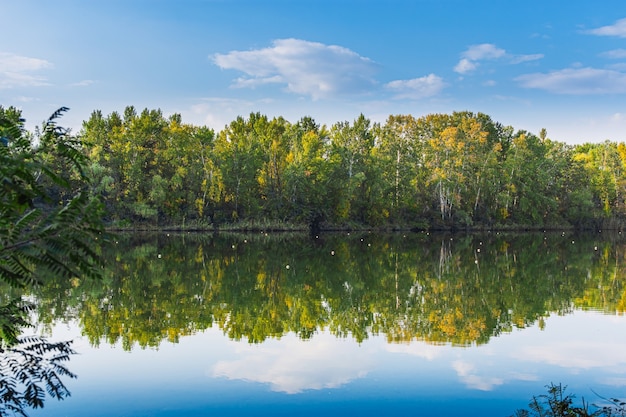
[(422, 350), (577, 343), (578, 355), (469, 377), (291, 365), (615, 381), (521, 376), (581, 341), (480, 368)]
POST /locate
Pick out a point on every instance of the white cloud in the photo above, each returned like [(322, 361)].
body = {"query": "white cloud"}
[(618, 67), (417, 88), (469, 376), (83, 83), (488, 51), (16, 71), (308, 68), (518, 59), (13, 79), (576, 357), (242, 82), (615, 381), (614, 54), (26, 99), (483, 51), (419, 349), (617, 29), (16, 63), (464, 66), (292, 365), (578, 81)]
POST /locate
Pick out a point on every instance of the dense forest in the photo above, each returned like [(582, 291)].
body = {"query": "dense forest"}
[(441, 171)]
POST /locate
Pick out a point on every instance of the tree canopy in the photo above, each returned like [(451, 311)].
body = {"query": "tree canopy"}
[(459, 170)]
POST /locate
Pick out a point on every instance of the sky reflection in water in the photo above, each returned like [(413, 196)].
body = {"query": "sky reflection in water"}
[(209, 374)]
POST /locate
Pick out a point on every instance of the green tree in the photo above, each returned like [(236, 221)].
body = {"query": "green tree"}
[(307, 181), (356, 176), (39, 234), (604, 165), (534, 170), (239, 159), (401, 152), (274, 142)]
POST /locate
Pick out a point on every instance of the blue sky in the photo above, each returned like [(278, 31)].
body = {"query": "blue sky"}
[(559, 65)]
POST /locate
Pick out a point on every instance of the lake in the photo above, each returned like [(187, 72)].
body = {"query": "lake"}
[(340, 324)]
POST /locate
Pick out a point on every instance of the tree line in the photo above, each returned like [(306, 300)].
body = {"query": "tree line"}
[(459, 170)]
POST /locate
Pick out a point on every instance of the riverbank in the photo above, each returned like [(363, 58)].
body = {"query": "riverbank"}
[(280, 226)]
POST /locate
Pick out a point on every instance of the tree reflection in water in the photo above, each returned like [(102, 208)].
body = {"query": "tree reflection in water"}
[(456, 289)]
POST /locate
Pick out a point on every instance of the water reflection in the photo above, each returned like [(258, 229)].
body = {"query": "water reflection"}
[(291, 366), (359, 323), (459, 290)]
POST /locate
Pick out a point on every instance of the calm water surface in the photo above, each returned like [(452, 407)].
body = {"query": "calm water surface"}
[(419, 324)]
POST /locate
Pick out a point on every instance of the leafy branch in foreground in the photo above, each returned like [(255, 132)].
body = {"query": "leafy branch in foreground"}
[(48, 222), (49, 225), (28, 370), (29, 366), (13, 317)]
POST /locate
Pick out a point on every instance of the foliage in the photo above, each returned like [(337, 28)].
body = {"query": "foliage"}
[(13, 317), (452, 171), (50, 228), (29, 369), (48, 224), (29, 366), (559, 403)]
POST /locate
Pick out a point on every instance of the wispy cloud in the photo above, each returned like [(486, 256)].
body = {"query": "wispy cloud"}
[(518, 59), (83, 83), (575, 357), (614, 54), (577, 81), (620, 67), (470, 377), (483, 51), (419, 349), (26, 99), (303, 67), (417, 88), (470, 58), (473, 54), (17, 71), (617, 29)]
